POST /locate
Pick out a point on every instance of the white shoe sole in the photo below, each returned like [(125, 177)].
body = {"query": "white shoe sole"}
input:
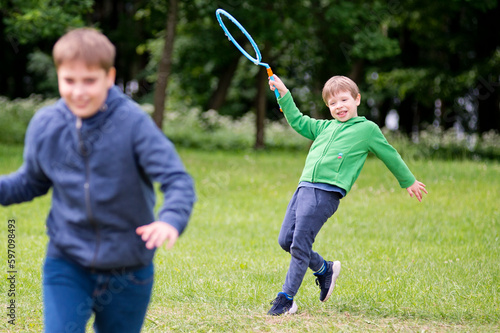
[(293, 309), (335, 275)]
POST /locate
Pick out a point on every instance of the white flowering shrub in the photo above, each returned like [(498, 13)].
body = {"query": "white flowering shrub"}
[(435, 142), (15, 116), (209, 130)]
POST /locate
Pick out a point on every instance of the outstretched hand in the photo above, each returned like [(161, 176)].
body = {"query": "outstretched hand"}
[(156, 233), (416, 190), (278, 84)]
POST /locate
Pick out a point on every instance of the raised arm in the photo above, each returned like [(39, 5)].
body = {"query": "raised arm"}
[(304, 125)]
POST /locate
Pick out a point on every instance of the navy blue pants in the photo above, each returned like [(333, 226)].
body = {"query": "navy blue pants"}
[(72, 293), (307, 211)]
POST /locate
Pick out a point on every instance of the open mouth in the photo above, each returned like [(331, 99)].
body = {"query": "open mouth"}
[(81, 105)]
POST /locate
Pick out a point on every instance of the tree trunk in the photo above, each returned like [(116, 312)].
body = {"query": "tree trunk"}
[(219, 95), (488, 86), (165, 65), (260, 108), (488, 106), (357, 69), (406, 111)]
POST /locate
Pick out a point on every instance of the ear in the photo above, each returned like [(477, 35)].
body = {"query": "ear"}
[(111, 76), (358, 99)]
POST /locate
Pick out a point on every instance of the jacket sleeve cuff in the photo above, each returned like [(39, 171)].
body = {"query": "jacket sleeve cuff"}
[(285, 98)]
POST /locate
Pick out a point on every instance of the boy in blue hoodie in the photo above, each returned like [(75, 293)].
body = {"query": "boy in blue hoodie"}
[(100, 154)]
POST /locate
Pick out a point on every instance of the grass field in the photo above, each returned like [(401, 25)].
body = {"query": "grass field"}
[(406, 266)]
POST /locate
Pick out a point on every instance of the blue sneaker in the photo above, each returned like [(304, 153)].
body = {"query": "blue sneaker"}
[(282, 305), (326, 281)]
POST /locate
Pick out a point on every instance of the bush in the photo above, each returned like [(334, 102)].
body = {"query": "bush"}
[(434, 142), (211, 131), (15, 116)]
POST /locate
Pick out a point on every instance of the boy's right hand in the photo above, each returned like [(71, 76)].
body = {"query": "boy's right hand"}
[(278, 84), (157, 233)]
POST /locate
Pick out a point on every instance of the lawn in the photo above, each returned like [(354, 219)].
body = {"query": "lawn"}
[(406, 266)]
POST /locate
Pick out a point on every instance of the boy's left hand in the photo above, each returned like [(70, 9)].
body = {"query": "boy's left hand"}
[(416, 189), (278, 84), (156, 233)]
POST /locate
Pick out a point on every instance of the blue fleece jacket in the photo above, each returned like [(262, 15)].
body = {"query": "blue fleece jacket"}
[(101, 171)]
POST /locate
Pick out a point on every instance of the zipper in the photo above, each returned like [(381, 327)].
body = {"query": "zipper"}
[(323, 154), (86, 187)]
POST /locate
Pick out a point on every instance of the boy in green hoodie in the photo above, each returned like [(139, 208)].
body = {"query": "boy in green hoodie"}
[(337, 155)]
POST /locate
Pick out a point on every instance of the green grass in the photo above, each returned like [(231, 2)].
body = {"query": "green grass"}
[(406, 266)]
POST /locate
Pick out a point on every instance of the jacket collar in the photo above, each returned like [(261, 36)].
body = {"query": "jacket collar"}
[(351, 121)]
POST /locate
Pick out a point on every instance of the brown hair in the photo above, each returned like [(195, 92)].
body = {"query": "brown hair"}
[(86, 44), (337, 84)]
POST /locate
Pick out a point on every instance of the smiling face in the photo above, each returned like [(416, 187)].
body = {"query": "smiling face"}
[(343, 106), (84, 88)]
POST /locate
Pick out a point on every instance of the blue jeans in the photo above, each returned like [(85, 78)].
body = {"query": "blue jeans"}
[(119, 299), (306, 214)]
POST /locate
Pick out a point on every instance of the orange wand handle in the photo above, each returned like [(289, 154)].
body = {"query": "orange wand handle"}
[(270, 75)]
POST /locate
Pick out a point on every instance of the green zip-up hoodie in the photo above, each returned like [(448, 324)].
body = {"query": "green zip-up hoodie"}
[(339, 150)]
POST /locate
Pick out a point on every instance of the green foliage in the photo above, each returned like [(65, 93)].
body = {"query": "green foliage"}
[(372, 45), (33, 20), (15, 116), (421, 50), (370, 24), (41, 65), (402, 82)]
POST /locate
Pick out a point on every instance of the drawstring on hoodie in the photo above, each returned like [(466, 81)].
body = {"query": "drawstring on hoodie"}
[(81, 144), (86, 186)]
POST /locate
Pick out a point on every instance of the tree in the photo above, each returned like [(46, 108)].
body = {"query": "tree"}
[(165, 65), (433, 62), (448, 50), (29, 27)]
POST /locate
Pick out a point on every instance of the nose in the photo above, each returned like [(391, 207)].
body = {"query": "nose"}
[(78, 90)]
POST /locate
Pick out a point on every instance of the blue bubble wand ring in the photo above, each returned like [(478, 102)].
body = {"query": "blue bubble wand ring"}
[(257, 60)]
